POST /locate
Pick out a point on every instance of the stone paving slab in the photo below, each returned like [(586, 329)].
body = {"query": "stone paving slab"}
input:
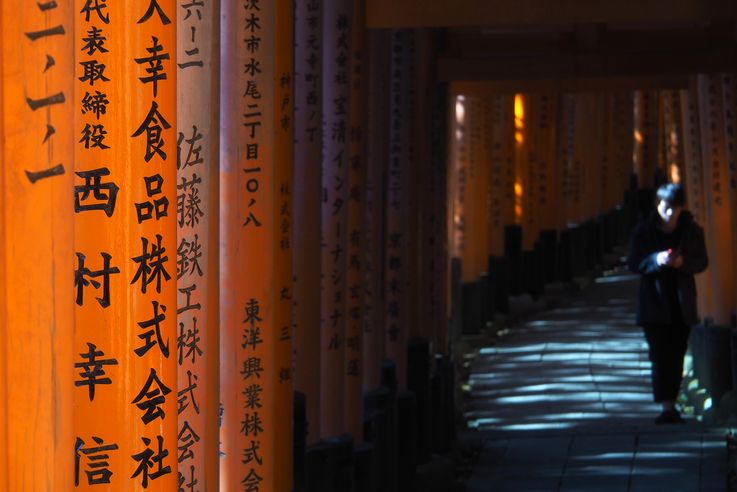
[(563, 403)]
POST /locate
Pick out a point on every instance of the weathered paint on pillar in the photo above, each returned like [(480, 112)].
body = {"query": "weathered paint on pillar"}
[(198, 269), (377, 151), (397, 259), (36, 246), (307, 205), (693, 179), (125, 275), (335, 163), (256, 275), (720, 220), (353, 389)]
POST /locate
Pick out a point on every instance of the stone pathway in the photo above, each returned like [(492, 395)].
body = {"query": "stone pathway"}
[(563, 403)]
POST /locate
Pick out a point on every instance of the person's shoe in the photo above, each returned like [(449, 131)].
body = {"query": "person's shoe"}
[(669, 417)]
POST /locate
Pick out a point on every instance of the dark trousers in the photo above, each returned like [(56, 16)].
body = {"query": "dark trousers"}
[(667, 344)]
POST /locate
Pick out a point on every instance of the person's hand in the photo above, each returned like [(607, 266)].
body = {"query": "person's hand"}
[(675, 260)]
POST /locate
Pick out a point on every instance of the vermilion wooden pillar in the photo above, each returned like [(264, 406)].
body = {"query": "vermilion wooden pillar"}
[(596, 165), (609, 188), (484, 177), (36, 246), (502, 175), (424, 170), (729, 100), (546, 199), (125, 200), (473, 213), (693, 179), (377, 151), (307, 205), (646, 137), (457, 174), (720, 219), (353, 389), (580, 164), (197, 254), (396, 264), (622, 133), (566, 164), (337, 20), (442, 286), (256, 248), (672, 139)]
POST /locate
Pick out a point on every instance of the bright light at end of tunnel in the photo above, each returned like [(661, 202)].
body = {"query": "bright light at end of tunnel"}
[(460, 109), (519, 118), (675, 174)]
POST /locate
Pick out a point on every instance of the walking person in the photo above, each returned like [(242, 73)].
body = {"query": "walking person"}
[(667, 249)]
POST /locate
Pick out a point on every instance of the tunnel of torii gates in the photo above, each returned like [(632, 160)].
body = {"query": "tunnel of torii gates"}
[(230, 231)]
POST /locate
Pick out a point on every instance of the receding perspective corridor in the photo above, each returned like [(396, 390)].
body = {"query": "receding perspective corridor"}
[(368, 245)]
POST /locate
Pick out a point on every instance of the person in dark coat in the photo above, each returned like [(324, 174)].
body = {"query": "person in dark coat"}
[(667, 249)]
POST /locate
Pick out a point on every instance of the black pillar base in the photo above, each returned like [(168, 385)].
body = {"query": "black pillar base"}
[(380, 429), (443, 404), (300, 441), (513, 253), (407, 439), (499, 281), (418, 382), (364, 457), (549, 245)]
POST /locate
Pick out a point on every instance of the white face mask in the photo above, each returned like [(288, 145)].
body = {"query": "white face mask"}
[(668, 213)]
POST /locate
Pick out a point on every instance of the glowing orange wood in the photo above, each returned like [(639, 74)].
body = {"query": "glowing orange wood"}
[(140, 122), (36, 247)]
